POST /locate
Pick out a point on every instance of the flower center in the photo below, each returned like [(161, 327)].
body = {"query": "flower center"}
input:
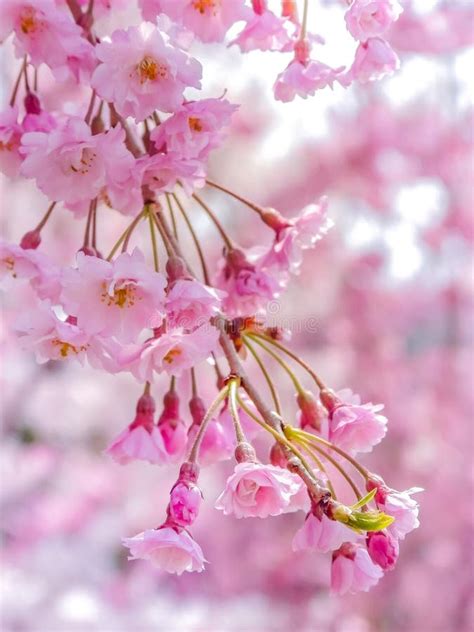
[(171, 355), (66, 347), (85, 162), (119, 294), (195, 124), (206, 6), (149, 69), (28, 21), (9, 263)]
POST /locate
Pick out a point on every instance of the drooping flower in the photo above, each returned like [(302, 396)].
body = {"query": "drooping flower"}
[(353, 426), (142, 439), (140, 73), (172, 428), (258, 490), (47, 33), (371, 18), (168, 549), (171, 352), (374, 59), (321, 534), (10, 140), (264, 31), (209, 20), (190, 303), (114, 298), (194, 129), (304, 78), (383, 549), (400, 505), (162, 172), (352, 570)]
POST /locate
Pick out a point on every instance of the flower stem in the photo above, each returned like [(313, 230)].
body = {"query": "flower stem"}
[(195, 238), (216, 222), (234, 412), (320, 465), (154, 245), (193, 454), (254, 207), (17, 82), (266, 375), (304, 20), (172, 216), (46, 216), (126, 233)]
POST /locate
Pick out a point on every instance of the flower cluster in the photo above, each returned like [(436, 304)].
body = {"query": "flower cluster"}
[(139, 146)]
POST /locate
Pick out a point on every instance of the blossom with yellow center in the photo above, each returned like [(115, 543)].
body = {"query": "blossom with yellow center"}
[(65, 348), (172, 354), (124, 296), (28, 21), (195, 124), (9, 263), (149, 69), (207, 6), (87, 159)]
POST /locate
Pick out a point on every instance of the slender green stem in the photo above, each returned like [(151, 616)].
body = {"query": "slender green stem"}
[(320, 384), (46, 216), (126, 233), (281, 362), (193, 382), (164, 236), (154, 245), (194, 236), (193, 454), (172, 216), (215, 221), (265, 373), (17, 82), (236, 196), (234, 412), (320, 465), (304, 20)]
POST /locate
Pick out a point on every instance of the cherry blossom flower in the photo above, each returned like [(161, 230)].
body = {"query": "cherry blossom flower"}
[(38, 23), (162, 172), (321, 534), (264, 31), (141, 440), (374, 59), (352, 570), (185, 500), (190, 303), (400, 505), (10, 140), (114, 298), (383, 549), (17, 263), (371, 18), (217, 444), (172, 428), (171, 352), (353, 426), (304, 78), (194, 129), (209, 20), (168, 549), (140, 73), (297, 234), (258, 490)]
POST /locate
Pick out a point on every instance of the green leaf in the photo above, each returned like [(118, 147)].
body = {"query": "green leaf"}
[(370, 520), (365, 500)]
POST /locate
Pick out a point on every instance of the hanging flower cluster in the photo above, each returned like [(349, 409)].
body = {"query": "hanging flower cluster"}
[(139, 146)]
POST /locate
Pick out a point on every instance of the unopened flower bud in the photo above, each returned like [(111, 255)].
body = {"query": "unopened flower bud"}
[(31, 240), (245, 453), (383, 549), (32, 104), (197, 409), (329, 400), (277, 455), (274, 219), (176, 269), (185, 500), (146, 405), (311, 411), (302, 51), (189, 472)]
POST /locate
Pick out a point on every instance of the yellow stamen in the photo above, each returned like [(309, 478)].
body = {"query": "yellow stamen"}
[(195, 124)]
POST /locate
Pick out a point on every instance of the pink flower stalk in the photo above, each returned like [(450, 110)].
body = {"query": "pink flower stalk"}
[(321, 534), (374, 59), (141, 440), (400, 505), (118, 298), (265, 31), (300, 233), (172, 428), (170, 550), (18, 264), (209, 20), (10, 140), (383, 549), (185, 500), (171, 352), (371, 18), (353, 426), (258, 490), (249, 286), (195, 129), (303, 79), (39, 23), (140, 73), (352, 570), (190, 303)]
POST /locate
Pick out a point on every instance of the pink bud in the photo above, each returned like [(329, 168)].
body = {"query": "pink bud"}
[(31, 240), (311, 411), (32, 104), (176, 269), (259, 6), (329, 400), (302, 51), (90, 251), (383, 549), (274, 219), (245, 453), (189, 472), (277, 455), (185, 500), (146, 405), (197, 409)]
